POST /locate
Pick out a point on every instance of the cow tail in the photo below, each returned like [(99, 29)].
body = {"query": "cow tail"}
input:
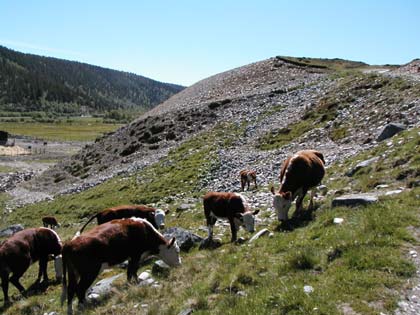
[(83, 227), (64, 290)]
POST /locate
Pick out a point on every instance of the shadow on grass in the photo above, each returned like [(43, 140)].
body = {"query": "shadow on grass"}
[(297, 222)]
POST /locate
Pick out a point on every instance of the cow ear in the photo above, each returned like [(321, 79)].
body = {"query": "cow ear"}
[(272, 190), (288, 195), (256, 212), (171, 242)]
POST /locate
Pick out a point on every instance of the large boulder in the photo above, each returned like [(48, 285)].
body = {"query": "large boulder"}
[(102, 288), (361, 165), (389, 130), (10, 230), (185, 239), (354, 200)]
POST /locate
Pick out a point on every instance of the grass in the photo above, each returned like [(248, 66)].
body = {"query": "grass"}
[(81, 129), (360, 263), (7, 169)]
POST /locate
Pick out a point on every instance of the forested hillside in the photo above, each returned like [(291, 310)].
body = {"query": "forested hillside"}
[(30, 83)]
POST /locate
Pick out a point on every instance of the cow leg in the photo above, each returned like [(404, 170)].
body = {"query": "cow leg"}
[(86, 280), (211, 221), (299, 202), (71, 288), (43, 262), (133, 266), (5, 287), (311, 201), (233, 230), (242, 185), (255, 183), (14, 279), (248, 184)]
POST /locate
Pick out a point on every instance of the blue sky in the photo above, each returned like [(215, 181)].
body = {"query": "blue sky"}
[(186, 41)]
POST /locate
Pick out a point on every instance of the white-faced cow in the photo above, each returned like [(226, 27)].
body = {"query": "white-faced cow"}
[(109, 244), (50, 221), (154, 216), (22, 249), (230, 206), (299, 173), (248, 176)]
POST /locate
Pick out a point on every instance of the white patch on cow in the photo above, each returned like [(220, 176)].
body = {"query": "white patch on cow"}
[(244, 201), (249, 221), (160, 218), (282, 206), (138, 219), (170, 254), (288, 167), (55, 233)]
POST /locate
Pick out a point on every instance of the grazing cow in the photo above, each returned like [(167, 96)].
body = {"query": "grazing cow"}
[(246, 177), (50, 221), (231, 206), (154, 216), (299, 173), (109, 244), (19, 251)]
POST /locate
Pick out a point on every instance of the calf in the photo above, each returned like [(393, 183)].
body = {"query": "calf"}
[(246, 177), (109, 244), (154, 216), (50, 221), (299, 173), (22, 249), (231, 206)]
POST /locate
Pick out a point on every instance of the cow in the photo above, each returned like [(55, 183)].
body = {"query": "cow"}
[(109, 244), (231, 206), (50, 221), (154, 216), (19, 251), (246, 177), (299, 173)]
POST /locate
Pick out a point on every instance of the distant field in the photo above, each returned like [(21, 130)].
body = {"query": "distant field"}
[(77, 129)]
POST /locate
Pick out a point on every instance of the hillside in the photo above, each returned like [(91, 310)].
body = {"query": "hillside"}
[(31, 83), (253, 117)]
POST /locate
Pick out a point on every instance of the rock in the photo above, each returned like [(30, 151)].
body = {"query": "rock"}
[(389, 130), (393, 192), (102, 288), (161, 268), (338, 220), (323, 189), (10, 230), (183, 207), (361, 165), (210, 244), (144, 276), (187, 311), (185, 239), (240, 240), (241, 293), (147, 282), (354, 200), (308, 289), (258, 235)]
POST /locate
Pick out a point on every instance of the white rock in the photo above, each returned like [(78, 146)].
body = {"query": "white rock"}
[(338, 220), (308, 289)]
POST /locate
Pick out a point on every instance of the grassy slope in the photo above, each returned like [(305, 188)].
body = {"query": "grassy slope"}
[(360, 262)]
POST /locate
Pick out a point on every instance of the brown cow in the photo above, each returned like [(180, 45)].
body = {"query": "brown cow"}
[(19, 251), (246, 177), (50, 221), (109, 244), (299, 173), (154, 216), (228, 205)]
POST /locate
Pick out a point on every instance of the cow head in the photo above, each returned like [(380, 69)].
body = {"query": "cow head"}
[(282, 202), (170, 253), (247, 220), (160, 218)]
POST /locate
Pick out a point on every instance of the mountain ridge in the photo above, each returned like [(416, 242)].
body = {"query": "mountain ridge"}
[(30, 82)]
